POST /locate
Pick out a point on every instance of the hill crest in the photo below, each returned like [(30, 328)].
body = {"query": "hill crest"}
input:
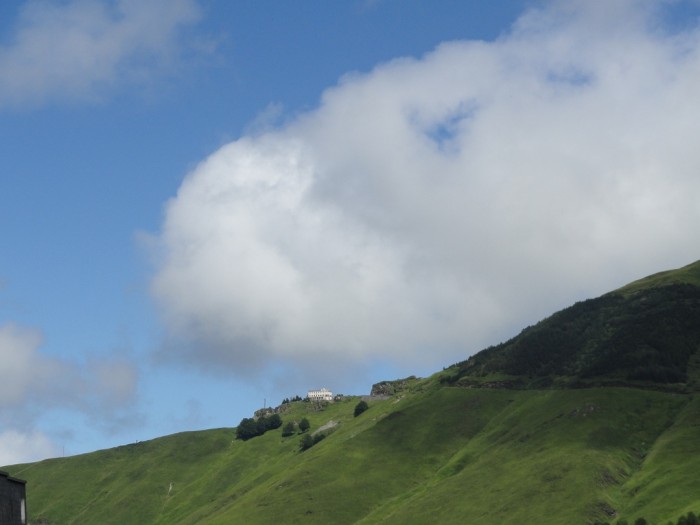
[(645, 334)]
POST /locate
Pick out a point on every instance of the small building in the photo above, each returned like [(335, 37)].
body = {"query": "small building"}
[(13, 500), (320, 395)]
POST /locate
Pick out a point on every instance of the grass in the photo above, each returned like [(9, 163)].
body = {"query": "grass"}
[(444, 455), (689, 274), (670, 470), (547, 457)]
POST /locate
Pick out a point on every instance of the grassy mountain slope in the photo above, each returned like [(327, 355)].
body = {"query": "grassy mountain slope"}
[(500, 438), (670, 470), (547, 457), (444, 455)]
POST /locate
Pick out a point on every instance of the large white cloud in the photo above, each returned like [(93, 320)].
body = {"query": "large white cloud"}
[(434, 205), (33, 383), (80, 48)]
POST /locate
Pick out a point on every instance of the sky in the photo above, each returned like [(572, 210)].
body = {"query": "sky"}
[(208, 206)]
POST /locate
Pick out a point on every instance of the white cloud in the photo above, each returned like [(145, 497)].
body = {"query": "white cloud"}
[(33, 384), (18, 447), (24, 373), (432, 206), (29, 378), (80, 48)]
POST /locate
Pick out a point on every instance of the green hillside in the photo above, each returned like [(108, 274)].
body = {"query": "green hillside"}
[(687, 275), (573, 435), (645, 334)]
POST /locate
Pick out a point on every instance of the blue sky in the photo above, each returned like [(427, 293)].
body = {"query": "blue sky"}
[(207, 205)]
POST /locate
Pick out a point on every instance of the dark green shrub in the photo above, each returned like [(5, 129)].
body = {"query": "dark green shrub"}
[(289, 429), (361, 407), (246, 429), (249, 427), (309, 441), (272, 422), (306, 442)]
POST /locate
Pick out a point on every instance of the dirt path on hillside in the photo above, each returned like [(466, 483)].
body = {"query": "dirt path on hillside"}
[(328, 425)]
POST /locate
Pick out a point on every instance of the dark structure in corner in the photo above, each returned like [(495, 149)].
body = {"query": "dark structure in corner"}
[(13, 500)]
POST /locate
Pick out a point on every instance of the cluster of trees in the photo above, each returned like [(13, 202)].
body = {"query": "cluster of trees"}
[(309, 441), (689, 519), (287, 400), (249, 427), (291, 427)]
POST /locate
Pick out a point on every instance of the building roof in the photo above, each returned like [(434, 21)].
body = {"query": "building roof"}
[(10, 478)]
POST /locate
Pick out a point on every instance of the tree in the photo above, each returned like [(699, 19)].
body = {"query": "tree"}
[(273, 422), (306, 442), (261, 425), (288, 429), (361, 407), (304, 425), (247, 429), (692, 519), (309, 440)]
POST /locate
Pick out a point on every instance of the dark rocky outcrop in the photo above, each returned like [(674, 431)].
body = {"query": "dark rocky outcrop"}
[(389, 388)]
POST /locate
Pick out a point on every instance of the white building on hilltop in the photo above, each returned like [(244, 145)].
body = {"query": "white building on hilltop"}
[(320, 395)]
